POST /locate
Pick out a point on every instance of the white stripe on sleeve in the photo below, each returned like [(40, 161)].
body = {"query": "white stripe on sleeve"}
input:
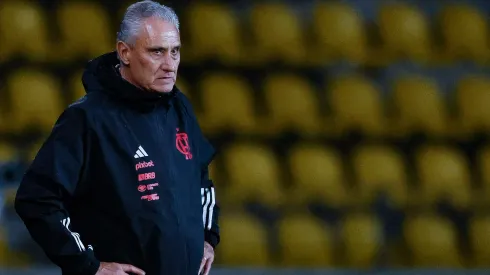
[(205, 208), (75, 235), (211, 208)]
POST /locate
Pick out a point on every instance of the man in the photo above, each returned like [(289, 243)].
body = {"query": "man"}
[(121, 185)]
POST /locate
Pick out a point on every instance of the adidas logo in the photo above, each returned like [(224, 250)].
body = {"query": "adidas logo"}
[(140, 153)]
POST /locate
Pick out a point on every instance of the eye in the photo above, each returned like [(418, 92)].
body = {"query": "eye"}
[(175, 51)]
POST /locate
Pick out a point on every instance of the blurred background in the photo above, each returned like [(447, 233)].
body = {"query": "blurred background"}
[(351, 134)]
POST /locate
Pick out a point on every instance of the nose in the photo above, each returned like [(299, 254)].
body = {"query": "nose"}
[(168, 64)]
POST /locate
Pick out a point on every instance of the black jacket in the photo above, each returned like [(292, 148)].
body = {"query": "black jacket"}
[(123, 177)]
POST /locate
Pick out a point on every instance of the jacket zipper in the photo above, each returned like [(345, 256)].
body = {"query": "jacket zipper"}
[(171, 178)]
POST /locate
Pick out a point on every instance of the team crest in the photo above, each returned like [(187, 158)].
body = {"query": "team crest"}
[(182, 144)]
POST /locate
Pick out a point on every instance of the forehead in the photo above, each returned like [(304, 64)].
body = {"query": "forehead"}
[(157, 32)]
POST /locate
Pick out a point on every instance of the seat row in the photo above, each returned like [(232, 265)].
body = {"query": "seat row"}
[(358, 243), (292, 103), (335, 31), (313, 173)]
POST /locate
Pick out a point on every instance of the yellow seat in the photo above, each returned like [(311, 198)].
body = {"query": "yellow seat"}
[(292, 104), (472, 102), (432, 242), (339, 33), (35, 99), (404, 31), (85, 30), (253, 175), (227, 103), (362, 239), (305, 242), (419, 106), (480, 240), (8, 257), (77, 90), (213, 33), (443, 174), (465, 32), (317, 175), (23, 31), (7, 152), (380, 168), (243, 241), (184, 87), (33, 149), (484, 169), (356, 105), (277, 34)]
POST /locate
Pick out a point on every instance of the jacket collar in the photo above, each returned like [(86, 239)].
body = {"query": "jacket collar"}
[(102, 74)]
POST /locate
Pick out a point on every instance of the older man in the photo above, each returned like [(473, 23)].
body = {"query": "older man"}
[(121, 185)]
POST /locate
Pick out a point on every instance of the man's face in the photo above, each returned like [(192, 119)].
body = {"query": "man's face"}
[(155, 57)]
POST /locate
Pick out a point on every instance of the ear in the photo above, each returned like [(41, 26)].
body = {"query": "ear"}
[(124, 52)]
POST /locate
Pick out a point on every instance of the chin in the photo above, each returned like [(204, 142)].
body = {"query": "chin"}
[(167, 88)]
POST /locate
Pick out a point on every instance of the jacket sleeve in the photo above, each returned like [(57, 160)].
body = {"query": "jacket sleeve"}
[(49, 183), (210, 205)]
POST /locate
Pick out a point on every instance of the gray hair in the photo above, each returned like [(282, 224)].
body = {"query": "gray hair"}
[(137, 13)]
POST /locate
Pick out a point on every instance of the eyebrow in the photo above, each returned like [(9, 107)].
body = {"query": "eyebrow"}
[(160, 48)]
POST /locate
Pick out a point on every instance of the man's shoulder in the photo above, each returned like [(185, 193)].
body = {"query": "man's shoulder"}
[(91, 106), (91, 102)]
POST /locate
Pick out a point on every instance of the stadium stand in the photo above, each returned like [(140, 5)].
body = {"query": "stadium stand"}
[(354, 127)]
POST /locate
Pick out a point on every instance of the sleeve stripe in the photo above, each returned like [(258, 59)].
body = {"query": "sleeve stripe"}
[(211, 208), (207, 199), (75, 235), (203, 198)]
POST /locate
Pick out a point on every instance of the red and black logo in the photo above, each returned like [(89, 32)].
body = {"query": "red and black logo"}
[(182, 144)]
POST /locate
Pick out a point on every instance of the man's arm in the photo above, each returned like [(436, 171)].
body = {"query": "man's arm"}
[(51, 181), (210, 213), (210, 210), (209, 202)]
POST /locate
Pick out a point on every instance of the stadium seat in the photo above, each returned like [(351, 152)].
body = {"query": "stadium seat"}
[(277, 34), (483, 162), (362, 239), (227, 103), (339, 34), (473, 99), (77, 90), (23, 31), (7, 152), (35, 99), (432, 242), (305, 242), (292, 105), (33, 149), (213, 33), (184, 87), (480, 240), (243, 241), (443, 174), (253, 175), (85, 30), (404, 31), (356, 104), (377, 169), (419, 107), (317, 176), (465, 32), (10, 258)]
